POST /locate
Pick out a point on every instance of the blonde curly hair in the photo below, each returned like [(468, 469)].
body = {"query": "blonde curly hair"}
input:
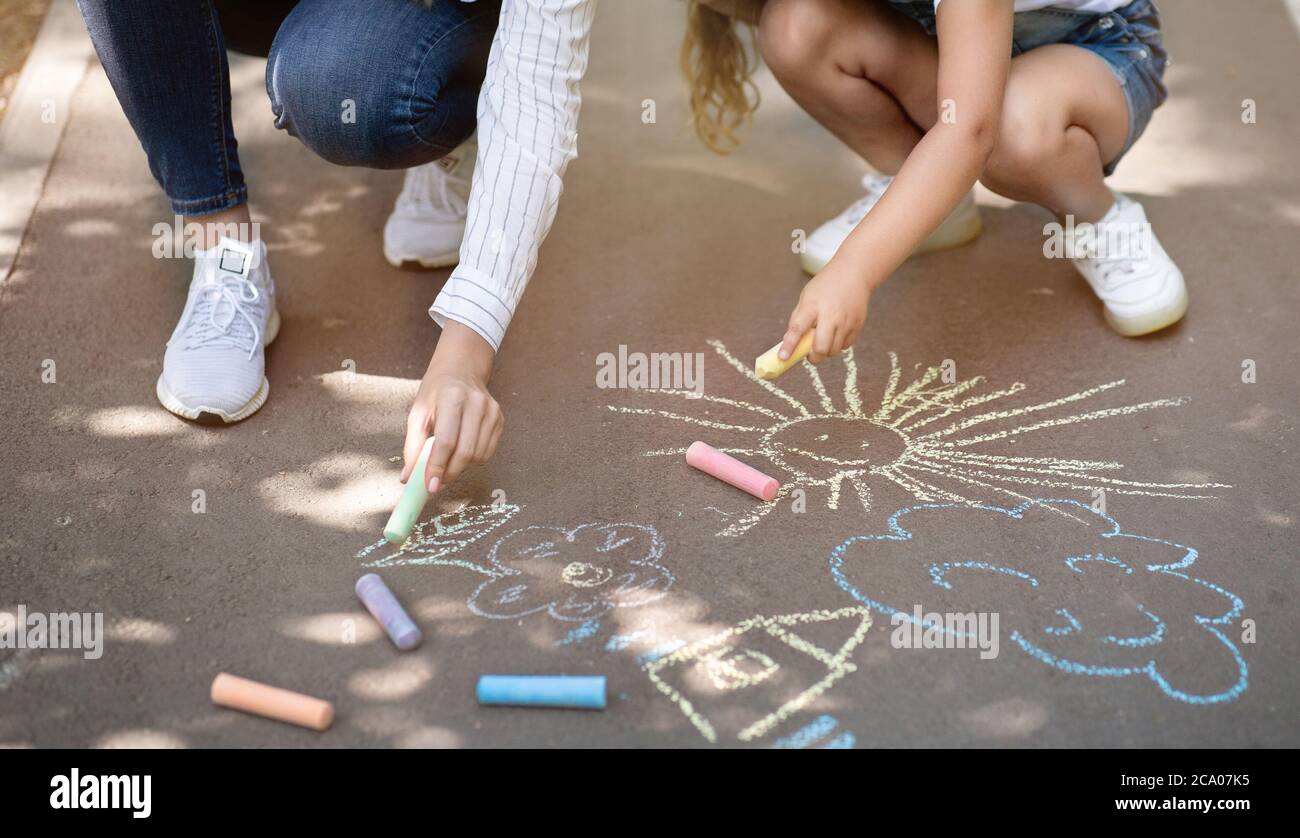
[(718, 70)]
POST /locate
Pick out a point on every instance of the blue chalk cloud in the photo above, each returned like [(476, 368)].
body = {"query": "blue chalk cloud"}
[(1072, 589)]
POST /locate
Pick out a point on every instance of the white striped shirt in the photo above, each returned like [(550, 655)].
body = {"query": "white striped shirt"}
[(527, 132)]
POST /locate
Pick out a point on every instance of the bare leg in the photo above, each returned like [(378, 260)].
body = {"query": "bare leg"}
[(232, 223), (870, 75), (864, 71), (1063, 117)]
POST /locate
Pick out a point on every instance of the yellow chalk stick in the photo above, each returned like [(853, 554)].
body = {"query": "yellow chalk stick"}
[(768, 366)]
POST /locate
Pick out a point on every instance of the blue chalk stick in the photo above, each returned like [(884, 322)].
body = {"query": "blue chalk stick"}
[(581, 691)]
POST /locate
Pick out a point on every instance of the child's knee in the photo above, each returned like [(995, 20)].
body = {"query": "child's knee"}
[(793, 34), (1028, 145)]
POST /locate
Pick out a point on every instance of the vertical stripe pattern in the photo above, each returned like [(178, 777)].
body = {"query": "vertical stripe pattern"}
[(527, 134)]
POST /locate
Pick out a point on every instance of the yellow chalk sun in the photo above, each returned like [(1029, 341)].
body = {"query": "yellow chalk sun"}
[(905, 441)]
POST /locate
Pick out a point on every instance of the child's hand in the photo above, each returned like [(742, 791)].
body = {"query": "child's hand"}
[(454, 404), (835, 303)]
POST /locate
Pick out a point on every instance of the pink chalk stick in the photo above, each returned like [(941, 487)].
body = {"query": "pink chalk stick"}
[(728, 469)]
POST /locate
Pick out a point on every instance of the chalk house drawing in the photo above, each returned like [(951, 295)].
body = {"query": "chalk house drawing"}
[(432, 541), (762, 660), (1076, 592), (904, 440)]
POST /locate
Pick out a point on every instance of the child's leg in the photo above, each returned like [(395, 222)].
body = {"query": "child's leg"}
[(1064, 116), (868, 73), (863, 70)]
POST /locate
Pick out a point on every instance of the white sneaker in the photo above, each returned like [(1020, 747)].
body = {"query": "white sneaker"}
[(214, 367), (1140, 286), (428, 219), (961, 226)]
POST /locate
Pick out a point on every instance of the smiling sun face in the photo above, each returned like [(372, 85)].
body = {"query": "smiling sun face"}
[(904, 442), (829, 448)]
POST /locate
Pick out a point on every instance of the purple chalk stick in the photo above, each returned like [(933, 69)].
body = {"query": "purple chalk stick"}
[(385, 608)]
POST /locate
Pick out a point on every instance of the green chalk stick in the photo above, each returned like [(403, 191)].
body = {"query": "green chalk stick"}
[(411, 504)]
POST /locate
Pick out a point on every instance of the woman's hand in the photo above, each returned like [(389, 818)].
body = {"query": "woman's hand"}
[(835, 304), (454, 405)]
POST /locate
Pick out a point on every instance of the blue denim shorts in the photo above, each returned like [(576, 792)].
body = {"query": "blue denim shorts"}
[(1127, 39)]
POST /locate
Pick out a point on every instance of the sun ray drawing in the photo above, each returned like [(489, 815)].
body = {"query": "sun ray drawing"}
[(928, 437)]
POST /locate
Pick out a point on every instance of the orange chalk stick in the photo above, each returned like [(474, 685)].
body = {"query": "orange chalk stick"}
[(272, 702)]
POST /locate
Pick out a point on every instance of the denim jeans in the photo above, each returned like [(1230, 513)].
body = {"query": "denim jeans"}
[(387, 84)]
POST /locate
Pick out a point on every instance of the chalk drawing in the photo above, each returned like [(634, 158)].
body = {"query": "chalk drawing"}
[(904, 441), (574, 575), (659, 651), (844, 742), (579, 633), (12, 668), (816, 731), (1139, 613), (701, 677), (1155, 638), (619, 642), (446, 534), (1072, 625)]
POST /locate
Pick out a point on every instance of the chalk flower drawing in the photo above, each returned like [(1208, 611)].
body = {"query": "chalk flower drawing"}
[(432, 541), (576, 574), (905, 442), (1077, 592), (753, 660)]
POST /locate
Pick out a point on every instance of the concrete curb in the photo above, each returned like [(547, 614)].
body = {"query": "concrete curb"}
[(34, 122)]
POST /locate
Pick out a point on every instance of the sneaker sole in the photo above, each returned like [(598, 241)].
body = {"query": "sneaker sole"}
[(442, 260), (960, 232), (211, 416), (1154, 321)]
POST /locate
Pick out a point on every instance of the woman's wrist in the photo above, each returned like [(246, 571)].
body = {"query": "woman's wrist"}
[(465, 349)]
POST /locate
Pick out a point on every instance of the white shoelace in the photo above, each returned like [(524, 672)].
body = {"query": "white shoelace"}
[(429, 188), (1114, 272), (241, 330), (875, 186)]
